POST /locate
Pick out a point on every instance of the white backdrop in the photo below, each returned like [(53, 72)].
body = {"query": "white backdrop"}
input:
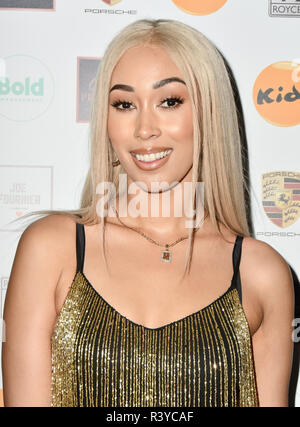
[(49, 54)]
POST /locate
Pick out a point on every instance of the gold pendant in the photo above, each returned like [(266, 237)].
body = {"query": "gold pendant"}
[(166, 255)]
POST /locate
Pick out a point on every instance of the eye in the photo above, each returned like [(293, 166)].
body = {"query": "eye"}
[(173, 102), (124, 104)]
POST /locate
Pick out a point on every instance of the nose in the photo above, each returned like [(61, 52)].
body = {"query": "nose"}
[(147, 125)]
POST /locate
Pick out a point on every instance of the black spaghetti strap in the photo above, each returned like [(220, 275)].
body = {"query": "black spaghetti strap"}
[(80, 246), (236, 258)]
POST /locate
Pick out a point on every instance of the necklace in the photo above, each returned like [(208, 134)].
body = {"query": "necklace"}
[(166, 254)]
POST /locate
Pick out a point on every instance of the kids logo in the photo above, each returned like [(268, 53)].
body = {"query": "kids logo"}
[(199, 7), (276, 93), (26, 88), (111, 2), (281, 197)]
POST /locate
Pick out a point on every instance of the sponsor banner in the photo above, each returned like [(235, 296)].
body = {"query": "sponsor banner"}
[(24, 189), (284, 8), (281, 197), (28, 4), (26, 88), (86, 78)]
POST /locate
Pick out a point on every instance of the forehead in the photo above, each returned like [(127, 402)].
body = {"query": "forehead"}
[(144, 64)]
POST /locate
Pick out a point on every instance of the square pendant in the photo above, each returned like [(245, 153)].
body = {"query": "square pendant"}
[(166, 256)]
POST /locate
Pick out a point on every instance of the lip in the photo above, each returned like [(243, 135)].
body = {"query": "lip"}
[(156, 164)]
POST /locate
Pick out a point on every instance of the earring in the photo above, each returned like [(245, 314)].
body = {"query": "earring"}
[(116, 163)]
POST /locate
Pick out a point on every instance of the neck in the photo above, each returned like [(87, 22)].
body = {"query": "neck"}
[(166, 212)]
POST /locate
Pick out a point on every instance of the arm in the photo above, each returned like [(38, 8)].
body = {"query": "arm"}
[(29, 315), (272, 342)]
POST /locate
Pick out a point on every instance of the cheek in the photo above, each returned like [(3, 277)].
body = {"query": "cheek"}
[(181, 131), (181, 127), (116, 131)]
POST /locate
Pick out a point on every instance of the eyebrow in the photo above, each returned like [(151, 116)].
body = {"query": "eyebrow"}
[(156, 85)]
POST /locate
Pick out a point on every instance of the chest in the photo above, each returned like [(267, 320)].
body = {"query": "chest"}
[(137, 284)]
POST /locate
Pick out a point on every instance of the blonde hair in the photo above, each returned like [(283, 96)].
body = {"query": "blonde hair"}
[(217, 153)]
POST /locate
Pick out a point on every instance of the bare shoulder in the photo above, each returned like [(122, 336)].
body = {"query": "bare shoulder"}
[(264, 259), (50, 230), (265, 271), (50, 224), (46, 242)]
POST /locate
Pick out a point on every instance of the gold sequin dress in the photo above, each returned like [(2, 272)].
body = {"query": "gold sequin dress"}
[(101, 358)]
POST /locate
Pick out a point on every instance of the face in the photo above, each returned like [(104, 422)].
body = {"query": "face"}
[(150, 122)]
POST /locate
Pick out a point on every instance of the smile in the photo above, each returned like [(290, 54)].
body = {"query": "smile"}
[(151, 157), (151, 161)]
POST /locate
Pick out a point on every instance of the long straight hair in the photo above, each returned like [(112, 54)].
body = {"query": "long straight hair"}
[(217, 155)]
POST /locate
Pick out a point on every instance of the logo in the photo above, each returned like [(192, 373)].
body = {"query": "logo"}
[(111, 2), (28, 4), (285, 8), (26, 88), (86, 78), (24, 189), (196, 7), (276, 93), (281, 197), (97, 11)]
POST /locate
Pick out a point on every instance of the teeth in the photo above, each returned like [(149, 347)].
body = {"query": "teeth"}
[(151, 157)]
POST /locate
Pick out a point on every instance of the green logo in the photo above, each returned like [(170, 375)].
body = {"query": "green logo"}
[(22, 88), (26, 88)]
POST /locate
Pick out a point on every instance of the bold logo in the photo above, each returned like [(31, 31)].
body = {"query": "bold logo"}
[(111, 2), (28, 4), (202, 7), (281, 197), (285, 8), (276, 93), (26, 88)]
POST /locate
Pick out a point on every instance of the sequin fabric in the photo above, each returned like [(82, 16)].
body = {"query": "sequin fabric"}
[(101, 358)]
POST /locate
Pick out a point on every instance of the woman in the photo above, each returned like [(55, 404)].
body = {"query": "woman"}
[(204, 320)]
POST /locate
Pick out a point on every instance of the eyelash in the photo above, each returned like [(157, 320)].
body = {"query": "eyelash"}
[(177, 99)]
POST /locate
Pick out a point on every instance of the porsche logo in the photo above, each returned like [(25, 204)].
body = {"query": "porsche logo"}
[(281, 197)]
